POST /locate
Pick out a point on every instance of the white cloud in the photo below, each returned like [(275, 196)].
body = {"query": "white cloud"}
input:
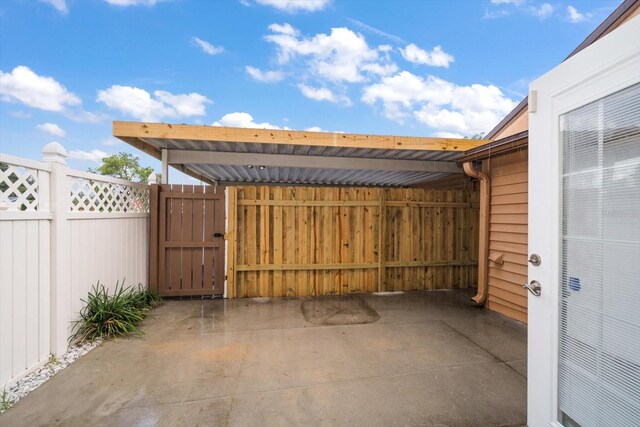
[(139, 103), (543, 11), (323, 94), (285, 28), (493, 14), (111, 141), (59, 5), (86, 116), (514, 2), (207, 47), (448, 135), (93, 155), (42, 92), (243, 120), (293, 6), (341, 56), (436, 58), (575, 16), (20, 114), (376, 31), (52, 129), (264, 76), (315, 129), (126, 3), (441, 105)]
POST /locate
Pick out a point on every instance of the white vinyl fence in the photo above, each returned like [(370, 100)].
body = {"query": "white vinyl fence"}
[(61, 231)]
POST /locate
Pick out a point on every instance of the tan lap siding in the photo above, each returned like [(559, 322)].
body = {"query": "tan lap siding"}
[(508, 235)]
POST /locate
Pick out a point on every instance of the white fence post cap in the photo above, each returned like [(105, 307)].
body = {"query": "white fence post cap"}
[(153, 178), (54, 152)]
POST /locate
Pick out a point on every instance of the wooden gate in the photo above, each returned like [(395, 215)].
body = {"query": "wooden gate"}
[(186, 251)]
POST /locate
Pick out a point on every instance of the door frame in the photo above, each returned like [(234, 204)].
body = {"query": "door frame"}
[(607, 66)]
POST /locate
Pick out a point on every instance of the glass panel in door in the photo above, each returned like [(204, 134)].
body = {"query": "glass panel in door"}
[(599, 349)]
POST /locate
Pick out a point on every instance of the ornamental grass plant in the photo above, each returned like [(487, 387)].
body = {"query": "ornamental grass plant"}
[(107, 316)]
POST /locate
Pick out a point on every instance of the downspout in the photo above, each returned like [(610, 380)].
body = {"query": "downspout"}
[(483, 251)]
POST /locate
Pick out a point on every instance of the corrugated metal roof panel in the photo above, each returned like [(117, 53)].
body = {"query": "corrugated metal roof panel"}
[(297, 175), (236, 147)]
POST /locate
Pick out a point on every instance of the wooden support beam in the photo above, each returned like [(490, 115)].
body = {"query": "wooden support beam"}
[(259, 202), (322, 203), (313, 162), (350, 266), (301, 267), (127, 130), (391, 264)]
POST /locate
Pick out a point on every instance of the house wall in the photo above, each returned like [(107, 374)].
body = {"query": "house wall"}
[(508, 234), (520, 123)]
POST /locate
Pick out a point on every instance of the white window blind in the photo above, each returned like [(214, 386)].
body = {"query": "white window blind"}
[(599, 359)]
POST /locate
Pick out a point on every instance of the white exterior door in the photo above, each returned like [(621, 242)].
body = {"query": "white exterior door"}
[(584, 223)]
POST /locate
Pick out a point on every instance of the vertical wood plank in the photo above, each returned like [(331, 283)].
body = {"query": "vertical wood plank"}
[(153, 236), (232, 223), (163, 235), (382, 240), (186, 233), (265, 244), (278, 283), (251, 243), (208, 257), (302, 242), (175, 228), (218, 250), (197, 235)]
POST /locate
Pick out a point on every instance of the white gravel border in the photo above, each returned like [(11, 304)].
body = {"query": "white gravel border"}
[(35, 379)]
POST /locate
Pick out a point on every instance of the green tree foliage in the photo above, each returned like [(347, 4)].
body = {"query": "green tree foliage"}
[(123, 166)]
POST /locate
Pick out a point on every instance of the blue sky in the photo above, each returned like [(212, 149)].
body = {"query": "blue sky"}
[(425, 68)]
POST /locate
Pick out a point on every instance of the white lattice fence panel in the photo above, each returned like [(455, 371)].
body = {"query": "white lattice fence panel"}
[(92, 195), (19, 187)]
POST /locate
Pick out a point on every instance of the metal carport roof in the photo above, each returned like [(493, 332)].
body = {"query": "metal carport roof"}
[(247, 156)]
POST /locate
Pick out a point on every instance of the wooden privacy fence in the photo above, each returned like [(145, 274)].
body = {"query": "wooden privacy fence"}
[(303, 241)]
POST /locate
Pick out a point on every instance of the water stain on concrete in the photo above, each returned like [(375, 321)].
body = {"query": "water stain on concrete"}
[(338, 310), (227, 353)]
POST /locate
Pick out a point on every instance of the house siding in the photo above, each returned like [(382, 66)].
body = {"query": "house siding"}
[(520, 123), (508, 234)]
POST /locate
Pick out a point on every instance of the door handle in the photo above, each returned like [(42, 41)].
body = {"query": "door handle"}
[(534, 287), (218, 234)]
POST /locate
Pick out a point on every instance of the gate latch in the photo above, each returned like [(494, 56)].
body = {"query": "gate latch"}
[(218, 234)]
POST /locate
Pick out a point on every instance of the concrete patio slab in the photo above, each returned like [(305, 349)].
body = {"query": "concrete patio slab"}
[(430, 359)]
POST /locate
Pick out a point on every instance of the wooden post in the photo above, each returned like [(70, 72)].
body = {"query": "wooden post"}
[(382, 226), (165, 165), (231, 236)]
